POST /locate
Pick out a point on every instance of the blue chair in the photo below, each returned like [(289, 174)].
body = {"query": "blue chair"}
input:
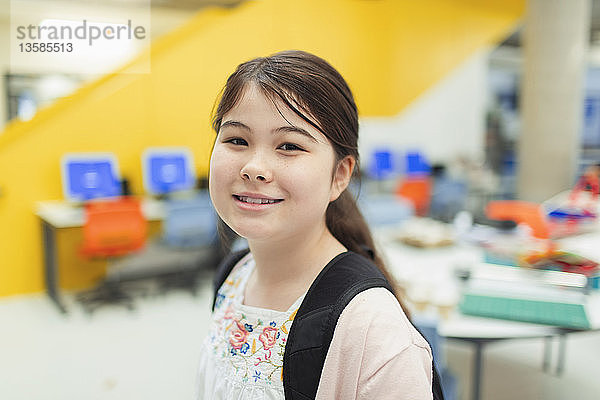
[(190, 223), (384, 209), (448, 197), (190, 239)]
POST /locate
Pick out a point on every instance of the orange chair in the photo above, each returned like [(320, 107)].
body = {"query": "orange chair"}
[(523, 212), (113, 228), (417, 189)]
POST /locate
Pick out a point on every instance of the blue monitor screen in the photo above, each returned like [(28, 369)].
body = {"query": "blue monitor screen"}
[(86, 178), (167, 171), (416, 164), (383, 163)]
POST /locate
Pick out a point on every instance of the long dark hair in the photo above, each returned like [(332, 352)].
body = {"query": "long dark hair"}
[(318, 94)]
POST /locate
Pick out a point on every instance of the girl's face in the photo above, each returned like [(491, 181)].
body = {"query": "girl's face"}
[(271, 173)]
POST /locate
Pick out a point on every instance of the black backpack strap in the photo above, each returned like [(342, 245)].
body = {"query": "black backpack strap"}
[(311, 333), (436, 385), (312, 330), (224, 269)]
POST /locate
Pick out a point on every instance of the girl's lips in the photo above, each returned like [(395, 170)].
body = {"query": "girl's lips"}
[(253, 199), (255, 202)]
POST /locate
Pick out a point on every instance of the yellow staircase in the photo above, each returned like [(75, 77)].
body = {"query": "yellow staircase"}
[(389, 51)]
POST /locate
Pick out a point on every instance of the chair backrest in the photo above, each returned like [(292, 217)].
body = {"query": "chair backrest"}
[(448, 198), (417, 189), (190, 222), (385, 209), (113, 227)]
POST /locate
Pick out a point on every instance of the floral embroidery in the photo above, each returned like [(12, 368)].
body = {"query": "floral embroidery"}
[(268, 337), (219, 300), (250, 344), (228, 313), (244, 348), (238, 336)]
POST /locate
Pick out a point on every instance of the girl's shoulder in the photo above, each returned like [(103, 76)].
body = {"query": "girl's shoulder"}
[(374, 344), (373, 332), (376, 315)]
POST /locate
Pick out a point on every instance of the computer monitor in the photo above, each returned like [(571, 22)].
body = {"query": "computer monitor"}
[(87, 176), (167, 170), (416, 164), (382, 164)]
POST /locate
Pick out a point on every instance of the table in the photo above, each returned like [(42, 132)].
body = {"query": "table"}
[(56, 215), (429, 274), (479, 332)]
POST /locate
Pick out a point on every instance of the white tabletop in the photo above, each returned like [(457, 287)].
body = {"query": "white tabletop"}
[(469, 327), (62, 214)]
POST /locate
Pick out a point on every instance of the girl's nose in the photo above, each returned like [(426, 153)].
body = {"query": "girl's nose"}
[(256, 171)]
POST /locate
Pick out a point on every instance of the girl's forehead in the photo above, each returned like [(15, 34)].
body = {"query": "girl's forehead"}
[(252, 98), (254, 106)]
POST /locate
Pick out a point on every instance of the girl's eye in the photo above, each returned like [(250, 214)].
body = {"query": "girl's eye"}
[(237, 141), (290, 147)]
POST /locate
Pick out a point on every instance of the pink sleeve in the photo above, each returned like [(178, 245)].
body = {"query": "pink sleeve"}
[(376, 353)]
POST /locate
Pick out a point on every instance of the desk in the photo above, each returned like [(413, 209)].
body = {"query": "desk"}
[(429, 274), (57, 215), (480, 332)]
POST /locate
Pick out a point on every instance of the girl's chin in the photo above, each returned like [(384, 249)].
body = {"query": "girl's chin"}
[(253, 233)]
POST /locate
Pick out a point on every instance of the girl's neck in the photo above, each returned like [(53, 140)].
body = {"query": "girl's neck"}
[(288, 268)]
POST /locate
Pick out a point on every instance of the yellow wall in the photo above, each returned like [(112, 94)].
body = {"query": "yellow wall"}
[(389, 51)]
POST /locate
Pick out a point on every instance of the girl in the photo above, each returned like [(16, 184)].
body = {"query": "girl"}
[(286, 149)]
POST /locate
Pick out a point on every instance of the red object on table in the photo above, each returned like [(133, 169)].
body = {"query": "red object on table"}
[(522, 212)]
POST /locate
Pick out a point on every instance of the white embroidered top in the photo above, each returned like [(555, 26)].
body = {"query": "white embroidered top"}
[(242, 356), (375, 352)]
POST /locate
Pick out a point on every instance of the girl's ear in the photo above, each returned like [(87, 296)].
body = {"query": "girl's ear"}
[(341, 176)]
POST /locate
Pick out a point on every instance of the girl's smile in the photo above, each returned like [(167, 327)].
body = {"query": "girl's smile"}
[(255, 201)]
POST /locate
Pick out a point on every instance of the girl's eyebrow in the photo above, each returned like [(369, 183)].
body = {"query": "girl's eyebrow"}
[(236, 124), (295, 129), (282, 129)]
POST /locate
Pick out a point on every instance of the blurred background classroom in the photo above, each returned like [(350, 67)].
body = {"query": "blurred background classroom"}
[(480, 147)]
